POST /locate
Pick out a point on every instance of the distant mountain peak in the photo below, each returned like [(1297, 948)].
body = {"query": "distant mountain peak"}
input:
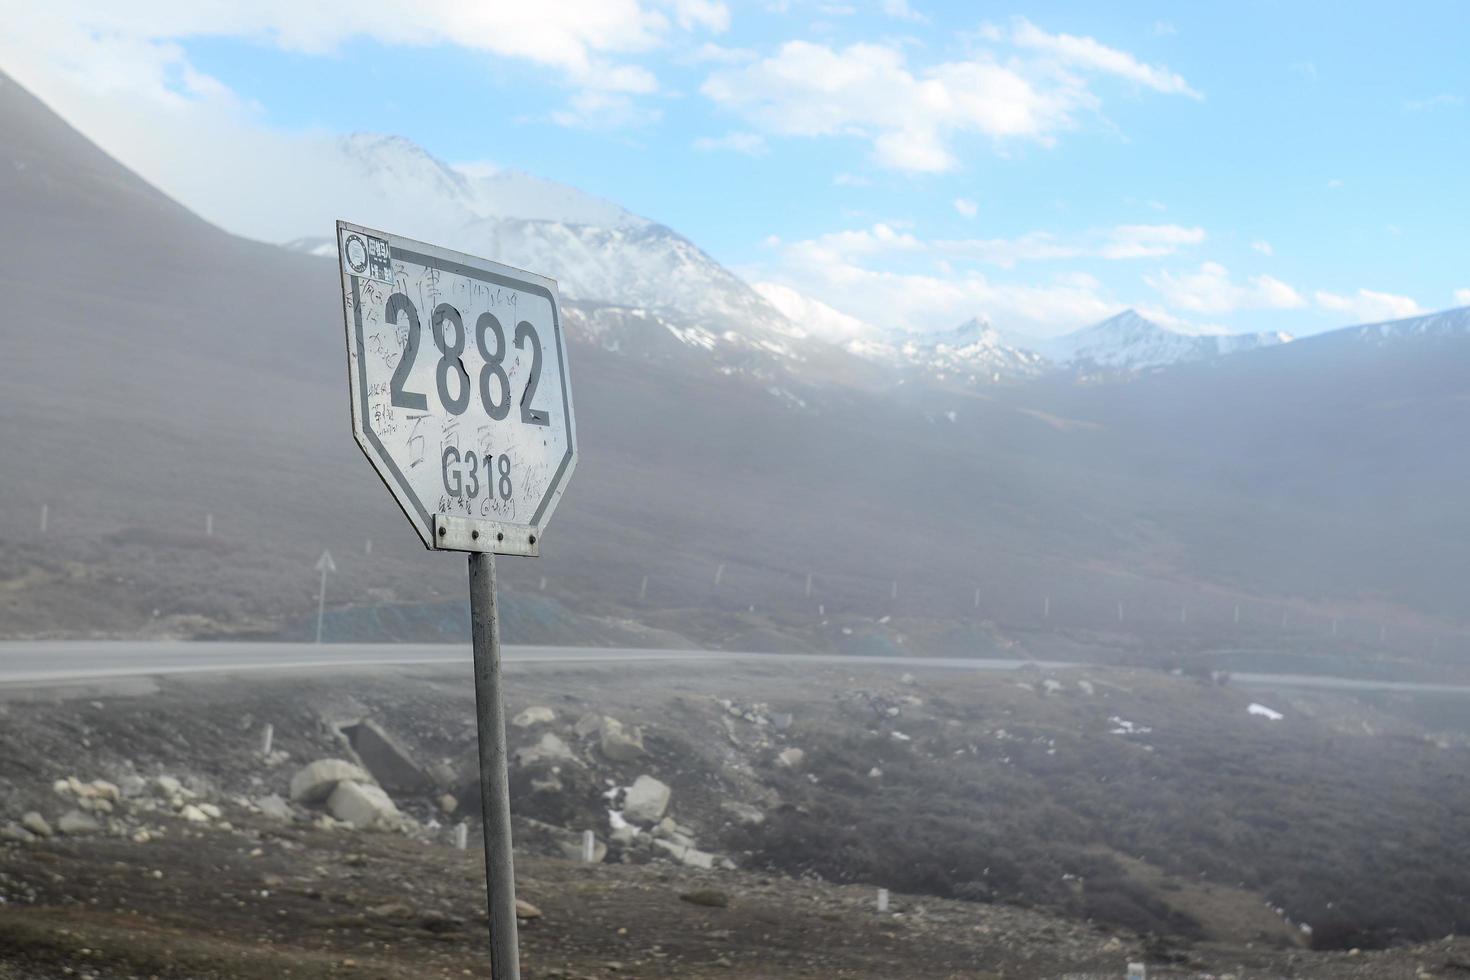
[(1129, 342)]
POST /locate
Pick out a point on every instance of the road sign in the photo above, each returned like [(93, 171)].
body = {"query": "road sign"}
[(460, 399), (460, 394)]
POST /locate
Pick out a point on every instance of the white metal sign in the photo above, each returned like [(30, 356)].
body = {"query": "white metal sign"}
[(460, 394)]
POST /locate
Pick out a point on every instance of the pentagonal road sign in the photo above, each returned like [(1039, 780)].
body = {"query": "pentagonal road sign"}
[(460, 393)]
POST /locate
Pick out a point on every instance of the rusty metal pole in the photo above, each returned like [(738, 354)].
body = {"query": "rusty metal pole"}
[(500, 878)]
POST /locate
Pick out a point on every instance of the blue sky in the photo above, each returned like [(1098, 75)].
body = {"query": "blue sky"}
[(1232, 166)]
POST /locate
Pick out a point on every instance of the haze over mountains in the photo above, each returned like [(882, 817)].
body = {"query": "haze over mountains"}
[(158, 369)]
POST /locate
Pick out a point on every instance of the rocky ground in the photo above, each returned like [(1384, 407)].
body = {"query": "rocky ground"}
[(743, 819)]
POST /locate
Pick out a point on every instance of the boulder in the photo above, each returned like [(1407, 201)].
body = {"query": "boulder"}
[(646, 800), (688, 856), (571, 849), (104, 790), (744, 813), (363, 805), (168, 786), (75, 823), (274, 807), (549, 751), (36, 824), (132, 786), (790, 758), (588, 724), (392, 766), (316, 782), (193, 814), (535, 715), (13, 831), (526, 911), (711, 898), (618, 744)]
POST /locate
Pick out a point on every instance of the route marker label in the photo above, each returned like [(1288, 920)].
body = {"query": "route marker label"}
[(460, 394)]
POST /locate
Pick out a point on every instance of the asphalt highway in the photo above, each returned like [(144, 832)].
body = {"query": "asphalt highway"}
[(48, 662)]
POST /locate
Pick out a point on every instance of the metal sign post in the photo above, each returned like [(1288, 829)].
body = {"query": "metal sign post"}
[(500, 881), (461, 401)]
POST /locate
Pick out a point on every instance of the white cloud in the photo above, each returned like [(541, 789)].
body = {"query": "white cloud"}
[(751, 144), (135, 48), (851, 180), (1335, 184), (1211, 289), (1162, 28), (1118, 243), (814, 316), (921, 301), (1444, 100), (966, 207), (1264, 247), (885, 274), (901, 10), (1462, 297), (1368, 305), (593, 109), (712, 53), (910, 116), (1088, 53)]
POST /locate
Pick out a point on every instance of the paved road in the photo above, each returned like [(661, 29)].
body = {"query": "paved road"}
[(46, 662)]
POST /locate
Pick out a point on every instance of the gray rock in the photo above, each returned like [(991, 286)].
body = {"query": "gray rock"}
[(708, 897), (549, 751), (36, 824), (364, 806), (13, 831), (132, 786), (76, 823), (744, 813), (392, 766), (535, 715), (790, 758), (688, 856), (588, 724), (571, 849), (316, 782), (619, 744), (168, 786), (646, 800), (274, 807)]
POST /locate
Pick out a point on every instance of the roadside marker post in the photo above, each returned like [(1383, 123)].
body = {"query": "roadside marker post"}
[(324, 564), (882, 900), (461, 401)]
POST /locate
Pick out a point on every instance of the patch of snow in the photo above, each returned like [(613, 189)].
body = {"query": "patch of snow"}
[(1264, 712)]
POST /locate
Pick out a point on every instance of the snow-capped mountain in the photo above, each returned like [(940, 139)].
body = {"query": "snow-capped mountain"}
[(1128, 343), (972, 352), (637, 282), (1445, 324)]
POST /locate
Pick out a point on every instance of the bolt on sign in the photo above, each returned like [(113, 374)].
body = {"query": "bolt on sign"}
[(457, 368), (460, 395)]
